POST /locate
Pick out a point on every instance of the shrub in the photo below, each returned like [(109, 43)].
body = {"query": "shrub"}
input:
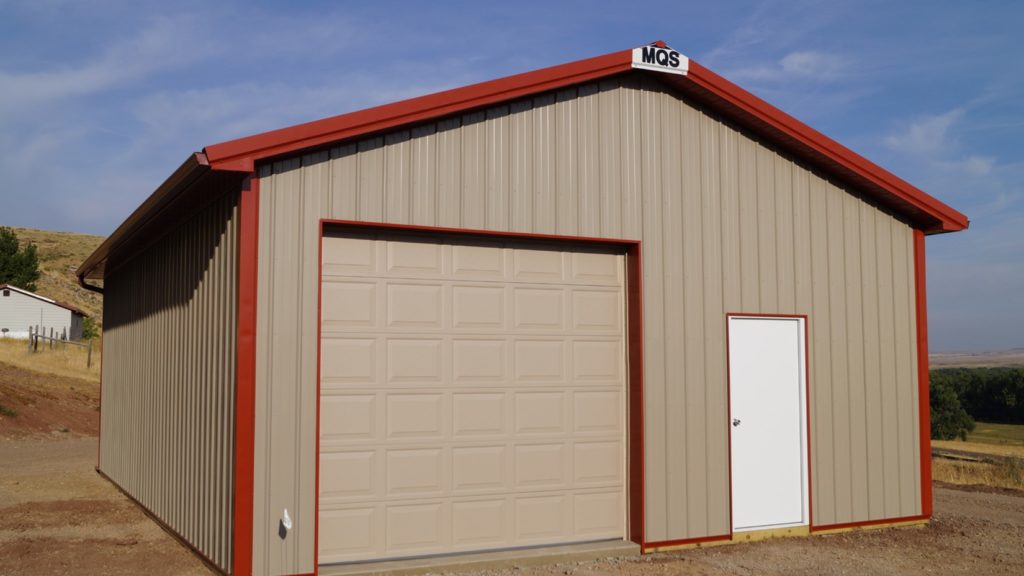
[(949, 419), (90, 328)]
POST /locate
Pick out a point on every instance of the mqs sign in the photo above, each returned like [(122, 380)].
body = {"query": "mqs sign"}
[(660, 60)]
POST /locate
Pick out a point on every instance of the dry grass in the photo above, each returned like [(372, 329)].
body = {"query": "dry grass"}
[(69, 361), (60, 254), (981, 447), (1003, 475)]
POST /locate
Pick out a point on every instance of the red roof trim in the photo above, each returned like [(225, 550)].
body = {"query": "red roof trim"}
[(952, 219), (243, 153)]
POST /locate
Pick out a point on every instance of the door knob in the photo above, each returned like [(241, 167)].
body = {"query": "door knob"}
[(735, 422)]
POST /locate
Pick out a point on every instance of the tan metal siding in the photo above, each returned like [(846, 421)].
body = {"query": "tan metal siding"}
[(167, 420), (727, 225)]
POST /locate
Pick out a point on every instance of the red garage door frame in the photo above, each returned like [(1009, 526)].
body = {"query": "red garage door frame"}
[(634, 346)]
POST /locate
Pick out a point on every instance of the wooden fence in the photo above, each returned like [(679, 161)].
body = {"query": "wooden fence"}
[(37, 334)]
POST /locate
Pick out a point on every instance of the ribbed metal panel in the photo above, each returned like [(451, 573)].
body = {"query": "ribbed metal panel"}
[(727, 225), (167, 420)]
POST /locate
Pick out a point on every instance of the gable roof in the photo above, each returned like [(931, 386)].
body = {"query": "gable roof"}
[(43, 298), (733, 103)]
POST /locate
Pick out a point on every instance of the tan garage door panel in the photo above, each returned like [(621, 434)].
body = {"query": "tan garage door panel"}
[(472, 397)]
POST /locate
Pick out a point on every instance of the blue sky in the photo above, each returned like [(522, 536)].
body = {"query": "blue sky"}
[(100, 101)]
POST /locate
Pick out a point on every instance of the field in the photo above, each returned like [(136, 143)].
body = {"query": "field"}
[(994, 439), (998, 434), (998, 359), (67, 361), (60, 254), (1003, 441)]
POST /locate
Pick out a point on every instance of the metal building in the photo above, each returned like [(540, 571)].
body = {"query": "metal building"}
[(23, 312), (617, 299)]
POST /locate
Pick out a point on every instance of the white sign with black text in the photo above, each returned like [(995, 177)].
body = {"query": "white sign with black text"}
[(660, 60)]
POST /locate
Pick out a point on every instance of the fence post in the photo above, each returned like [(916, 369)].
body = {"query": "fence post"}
[(88, 358), (51, 337), (30, 338)]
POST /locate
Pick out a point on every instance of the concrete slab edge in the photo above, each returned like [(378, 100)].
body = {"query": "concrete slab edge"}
[(487, 560)]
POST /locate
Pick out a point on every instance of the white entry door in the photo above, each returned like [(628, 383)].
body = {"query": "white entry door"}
[(769, 422)]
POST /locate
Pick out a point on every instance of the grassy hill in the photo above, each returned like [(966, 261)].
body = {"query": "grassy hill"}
[(60, 254)]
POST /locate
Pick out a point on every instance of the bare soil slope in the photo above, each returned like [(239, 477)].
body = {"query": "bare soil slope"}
[(36, 405)]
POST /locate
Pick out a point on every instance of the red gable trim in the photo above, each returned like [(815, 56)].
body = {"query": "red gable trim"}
[(789, 133), (951, 219), (242, 154)]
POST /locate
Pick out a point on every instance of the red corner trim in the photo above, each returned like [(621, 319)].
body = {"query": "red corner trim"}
[(99, 429), (245, 385), (242, 153), (923, 393), (951, 219)]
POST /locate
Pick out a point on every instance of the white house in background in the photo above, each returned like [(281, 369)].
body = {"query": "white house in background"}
[(20, 309)]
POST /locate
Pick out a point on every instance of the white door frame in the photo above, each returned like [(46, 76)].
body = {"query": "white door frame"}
[(804, 391)]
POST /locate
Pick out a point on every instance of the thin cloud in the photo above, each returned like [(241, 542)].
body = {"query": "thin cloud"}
[(972, 165), (932, 140), (927, 136), (806, 65), (153, 49)]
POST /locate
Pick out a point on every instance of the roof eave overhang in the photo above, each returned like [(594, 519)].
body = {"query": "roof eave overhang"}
[(241, 156), (190, 170), (157, 213), (926, 212), (920, 209)]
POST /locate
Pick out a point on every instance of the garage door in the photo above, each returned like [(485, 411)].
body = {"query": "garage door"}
[(472, 396)]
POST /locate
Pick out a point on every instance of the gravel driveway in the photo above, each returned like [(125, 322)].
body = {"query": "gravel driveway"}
[(57, 516)]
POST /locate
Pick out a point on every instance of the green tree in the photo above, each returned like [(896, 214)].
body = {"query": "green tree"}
[(90, 328), (949, 419), (19, 266)]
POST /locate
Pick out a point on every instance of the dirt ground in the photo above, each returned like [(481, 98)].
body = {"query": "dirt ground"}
[(37, 405), (57, 516), (975, 531)]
